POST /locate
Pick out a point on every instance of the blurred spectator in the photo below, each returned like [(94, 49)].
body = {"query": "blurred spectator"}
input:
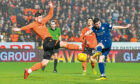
[(1, 37), (65, 37), (14, 37), (134, 39), (115, 16)]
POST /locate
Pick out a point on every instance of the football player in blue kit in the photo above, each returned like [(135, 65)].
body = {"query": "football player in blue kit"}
[(102, 31)]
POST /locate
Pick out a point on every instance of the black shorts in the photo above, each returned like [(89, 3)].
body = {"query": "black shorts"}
[(49, 46), (89, 51), (55, 51)]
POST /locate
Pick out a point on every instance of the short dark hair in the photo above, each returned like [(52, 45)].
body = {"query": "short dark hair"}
[(37, 14), (89, 18), (96, 20)]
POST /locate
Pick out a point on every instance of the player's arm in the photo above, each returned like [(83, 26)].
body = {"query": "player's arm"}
[(88, 32), (60, 38), (24, 28), (82, 35), (81, 38), (50, 14), (122, 27)]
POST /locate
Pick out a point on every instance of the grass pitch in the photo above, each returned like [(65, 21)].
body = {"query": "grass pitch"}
[(69, 73)]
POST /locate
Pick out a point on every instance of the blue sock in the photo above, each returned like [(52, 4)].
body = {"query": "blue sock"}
[(102, 68)]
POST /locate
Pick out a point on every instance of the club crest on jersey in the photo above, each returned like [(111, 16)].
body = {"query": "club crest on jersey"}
[(40, 26), (103, 28)]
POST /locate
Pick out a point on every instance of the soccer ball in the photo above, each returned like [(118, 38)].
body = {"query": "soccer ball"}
[(82, 57)]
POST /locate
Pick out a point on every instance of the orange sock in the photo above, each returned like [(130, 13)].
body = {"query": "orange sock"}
[(72, 46), (92, 65), (84, 66), (36, 66)]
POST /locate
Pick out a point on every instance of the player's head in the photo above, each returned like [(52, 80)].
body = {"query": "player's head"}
[(38, 17), (53, 24), (90, 21), (97, 22)]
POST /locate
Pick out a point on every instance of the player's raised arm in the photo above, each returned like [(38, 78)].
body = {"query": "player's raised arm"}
[(50, 14), (16, 29), (122, 27)]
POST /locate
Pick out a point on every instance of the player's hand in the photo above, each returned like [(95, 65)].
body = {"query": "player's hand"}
[(128, 25), (88, 32), (16, 29), (50, 4)]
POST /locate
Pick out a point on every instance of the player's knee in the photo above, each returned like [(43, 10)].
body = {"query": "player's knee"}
[(63, 44), (55, 56), (100, 44), (92, 59), (45, 62), (99, 48), (101, 59)]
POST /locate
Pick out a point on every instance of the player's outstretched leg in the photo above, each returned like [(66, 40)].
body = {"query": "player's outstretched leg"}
[(84, 66), (70, 46), (102, 68), (93, 65), (35, 67), (55, 65)]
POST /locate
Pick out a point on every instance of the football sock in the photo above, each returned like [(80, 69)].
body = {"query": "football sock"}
[(83, 46), (55, 64), (29, 70), (102, 68), (36, 66), (92, 65), (84, 66), (72, 46)]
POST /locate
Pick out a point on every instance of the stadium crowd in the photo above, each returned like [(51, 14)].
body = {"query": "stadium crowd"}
[(70, 16)]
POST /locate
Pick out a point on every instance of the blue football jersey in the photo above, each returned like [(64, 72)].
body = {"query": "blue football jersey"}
[(103, 33)]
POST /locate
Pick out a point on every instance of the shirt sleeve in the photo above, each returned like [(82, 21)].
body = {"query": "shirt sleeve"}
[(28, 26), (109, 26), (49, 16)]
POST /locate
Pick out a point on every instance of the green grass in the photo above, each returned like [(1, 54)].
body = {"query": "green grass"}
[(69, 73)]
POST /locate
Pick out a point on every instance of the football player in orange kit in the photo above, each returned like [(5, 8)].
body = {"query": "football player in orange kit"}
[(39, 27), (90, 43)]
